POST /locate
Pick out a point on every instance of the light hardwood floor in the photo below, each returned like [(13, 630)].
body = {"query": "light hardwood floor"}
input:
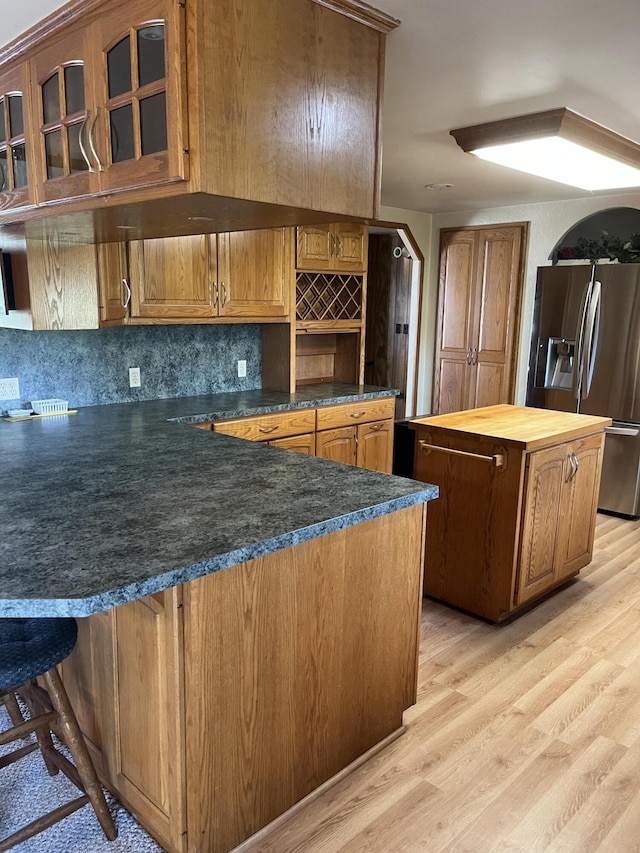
[(525, 737)]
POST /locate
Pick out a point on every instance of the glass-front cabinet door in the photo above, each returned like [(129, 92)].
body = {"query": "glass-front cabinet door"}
[(64, 120), (16, 178), (108, 102), (142, 129)]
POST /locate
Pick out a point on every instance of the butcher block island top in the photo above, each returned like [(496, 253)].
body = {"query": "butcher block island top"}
[(520, 426), (518, 499)]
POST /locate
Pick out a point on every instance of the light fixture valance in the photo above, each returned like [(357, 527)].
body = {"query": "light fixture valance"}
[(559, 145)]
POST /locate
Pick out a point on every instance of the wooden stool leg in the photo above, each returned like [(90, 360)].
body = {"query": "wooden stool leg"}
[(43, 735), (13, 709), (79, 751)]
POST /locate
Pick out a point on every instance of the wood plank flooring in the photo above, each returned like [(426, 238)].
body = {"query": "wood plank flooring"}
[(525, 737)]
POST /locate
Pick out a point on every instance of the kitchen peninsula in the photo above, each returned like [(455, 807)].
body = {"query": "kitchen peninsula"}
[(253, 613)]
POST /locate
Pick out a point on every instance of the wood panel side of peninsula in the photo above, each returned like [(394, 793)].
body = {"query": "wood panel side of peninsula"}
[(213, 708)]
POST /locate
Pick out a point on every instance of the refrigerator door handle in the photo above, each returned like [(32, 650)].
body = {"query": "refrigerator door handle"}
[(580, 333), (591, 338), (630, 431)]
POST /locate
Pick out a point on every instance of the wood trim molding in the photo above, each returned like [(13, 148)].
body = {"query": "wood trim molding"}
[(66, 15), (263, 834), (48, 28), (363, 13)]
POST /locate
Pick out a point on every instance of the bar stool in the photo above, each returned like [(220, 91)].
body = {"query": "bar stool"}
[(30, 648)]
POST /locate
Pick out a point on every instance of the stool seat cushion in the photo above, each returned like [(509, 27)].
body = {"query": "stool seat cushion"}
[(31, 647)]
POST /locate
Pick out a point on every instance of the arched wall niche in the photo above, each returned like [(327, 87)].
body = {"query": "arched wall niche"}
[(618, 222)]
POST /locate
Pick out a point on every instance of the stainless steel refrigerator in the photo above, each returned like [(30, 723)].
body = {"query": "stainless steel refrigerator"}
[(585, 357)]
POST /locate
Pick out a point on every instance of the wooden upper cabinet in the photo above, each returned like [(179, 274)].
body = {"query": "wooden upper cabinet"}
[(17, 187), (108, 103), (242, 274), (337, 247), (255, 269), (171, 278), (231, 107), (139, 53), (63, 115), (113, 283), (478, 301)]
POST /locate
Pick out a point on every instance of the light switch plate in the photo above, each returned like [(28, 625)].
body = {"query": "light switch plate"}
[(242, 369)]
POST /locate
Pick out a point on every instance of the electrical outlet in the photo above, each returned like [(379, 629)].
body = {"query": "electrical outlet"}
[(242, 369), (134, 377), (9, 389)]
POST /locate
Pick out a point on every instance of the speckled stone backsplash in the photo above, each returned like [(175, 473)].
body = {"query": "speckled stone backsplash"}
[(91, 367)]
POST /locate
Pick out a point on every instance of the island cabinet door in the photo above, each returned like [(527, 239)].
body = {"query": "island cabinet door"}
[(543, 492), (559, 512), (579, 503), (126, 680)]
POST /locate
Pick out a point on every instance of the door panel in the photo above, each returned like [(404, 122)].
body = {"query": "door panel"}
[(487, 384), (456, 278), (452, 385), (578, 506), (337, 444), (253, 272), (170, 277), (63, 112), (543, 488), (616, 375), (141, 134), (375, 446)]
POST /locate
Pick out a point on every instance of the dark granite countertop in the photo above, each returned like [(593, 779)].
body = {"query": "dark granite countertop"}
[(120, 501)]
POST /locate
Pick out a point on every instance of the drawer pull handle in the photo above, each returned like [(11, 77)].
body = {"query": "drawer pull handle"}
[(268, 429), (357, 414), (498, 459), (376, 427)]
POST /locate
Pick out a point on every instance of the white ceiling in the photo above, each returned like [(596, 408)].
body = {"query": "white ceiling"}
[(454, 63)]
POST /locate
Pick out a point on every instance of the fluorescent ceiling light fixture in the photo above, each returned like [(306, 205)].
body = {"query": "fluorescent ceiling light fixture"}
[(559, 145)]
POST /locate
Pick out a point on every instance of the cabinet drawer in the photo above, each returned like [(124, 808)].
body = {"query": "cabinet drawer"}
[(331, 417), (264, 427)]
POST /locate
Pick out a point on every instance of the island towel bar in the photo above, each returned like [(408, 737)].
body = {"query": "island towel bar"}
[(498, 459)]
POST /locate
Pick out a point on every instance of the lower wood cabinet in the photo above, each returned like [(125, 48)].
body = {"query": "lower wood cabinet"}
[(517, 507), (560, 507), (299, 443), (125, 682), (366, 445), (363, 433), (212, 708)]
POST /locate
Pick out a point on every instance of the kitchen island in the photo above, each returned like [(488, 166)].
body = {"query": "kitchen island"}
[(213, 701), (519, 497)]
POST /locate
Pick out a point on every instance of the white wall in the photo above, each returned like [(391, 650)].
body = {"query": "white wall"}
[(549, 221)]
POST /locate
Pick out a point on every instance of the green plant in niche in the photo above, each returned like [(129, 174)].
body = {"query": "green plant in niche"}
[(605, 247)]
